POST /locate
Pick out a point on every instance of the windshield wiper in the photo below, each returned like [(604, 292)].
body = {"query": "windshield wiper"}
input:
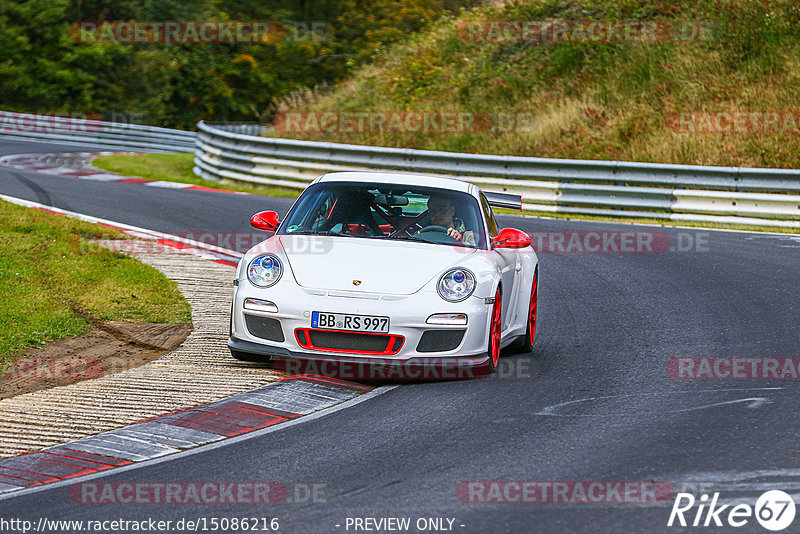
[(311, 232), (410, 237)]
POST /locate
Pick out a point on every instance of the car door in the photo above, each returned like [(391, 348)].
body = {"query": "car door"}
[(507, 262)]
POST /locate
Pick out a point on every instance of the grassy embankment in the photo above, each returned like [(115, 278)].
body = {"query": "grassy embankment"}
[(53, 282), (593, 100)]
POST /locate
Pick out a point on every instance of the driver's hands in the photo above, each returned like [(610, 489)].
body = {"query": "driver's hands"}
[(455, 234)]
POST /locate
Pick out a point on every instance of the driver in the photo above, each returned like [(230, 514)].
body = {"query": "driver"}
[(441, 211)]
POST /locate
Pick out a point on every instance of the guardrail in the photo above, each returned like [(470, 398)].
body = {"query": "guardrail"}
[(728, 195), (65, 130)]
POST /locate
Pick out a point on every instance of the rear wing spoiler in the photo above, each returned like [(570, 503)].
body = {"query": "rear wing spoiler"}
[(504, 200)]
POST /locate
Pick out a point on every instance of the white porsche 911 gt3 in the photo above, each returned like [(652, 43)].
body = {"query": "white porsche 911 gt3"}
[(393, 269)]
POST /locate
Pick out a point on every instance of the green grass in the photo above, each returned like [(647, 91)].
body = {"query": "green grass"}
[(178, 168), (51, 277)]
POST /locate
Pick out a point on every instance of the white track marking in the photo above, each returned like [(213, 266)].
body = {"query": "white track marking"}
[(754, 401)]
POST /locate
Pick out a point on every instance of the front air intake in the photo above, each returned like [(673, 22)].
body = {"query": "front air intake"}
[(352, 342), (440, 340), (264, 327)]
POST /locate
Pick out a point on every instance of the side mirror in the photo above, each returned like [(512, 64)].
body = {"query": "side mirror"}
[(511, 238), (265, 220)]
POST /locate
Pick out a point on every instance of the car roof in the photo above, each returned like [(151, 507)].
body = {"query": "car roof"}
[(424, 180)]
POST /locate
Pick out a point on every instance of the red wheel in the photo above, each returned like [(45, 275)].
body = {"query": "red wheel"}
[(525, 343), (530, 335), (495, 328)]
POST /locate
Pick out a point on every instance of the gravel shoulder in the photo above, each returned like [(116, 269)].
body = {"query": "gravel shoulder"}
[(198, 371)]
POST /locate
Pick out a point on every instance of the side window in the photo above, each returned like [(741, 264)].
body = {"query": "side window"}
[(487, 213)]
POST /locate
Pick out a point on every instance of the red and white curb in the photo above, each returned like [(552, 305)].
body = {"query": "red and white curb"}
[(238, 417), (188, 246), (39, 163), (173, 433)]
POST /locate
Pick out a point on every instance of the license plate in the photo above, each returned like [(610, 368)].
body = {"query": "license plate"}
[(356, 323)]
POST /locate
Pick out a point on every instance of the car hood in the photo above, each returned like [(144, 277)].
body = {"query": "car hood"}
[(382, 266)]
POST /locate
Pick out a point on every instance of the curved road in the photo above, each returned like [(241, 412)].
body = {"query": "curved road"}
[(593, 402)]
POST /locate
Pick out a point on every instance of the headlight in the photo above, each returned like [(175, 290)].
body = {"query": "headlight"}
[(456, 284), (264, 270)]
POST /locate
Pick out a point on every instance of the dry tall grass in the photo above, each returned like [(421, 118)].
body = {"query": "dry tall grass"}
[(590, 100)]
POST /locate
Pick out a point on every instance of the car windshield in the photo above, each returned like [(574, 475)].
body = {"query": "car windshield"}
[(387, 211)]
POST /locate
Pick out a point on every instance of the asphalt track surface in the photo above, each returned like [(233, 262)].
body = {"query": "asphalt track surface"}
[(608, 324)]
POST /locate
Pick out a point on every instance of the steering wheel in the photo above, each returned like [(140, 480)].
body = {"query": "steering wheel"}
[(433, 228)]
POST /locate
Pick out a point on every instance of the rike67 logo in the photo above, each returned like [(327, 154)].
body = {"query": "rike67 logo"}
[(774, 510)]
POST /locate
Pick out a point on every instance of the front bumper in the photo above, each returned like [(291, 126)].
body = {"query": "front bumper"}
[(407, 320), (357, 368)]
